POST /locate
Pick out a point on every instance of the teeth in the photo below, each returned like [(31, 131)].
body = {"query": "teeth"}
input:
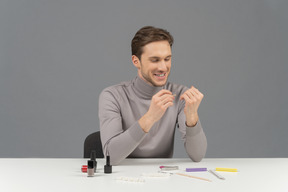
[(160, 75)]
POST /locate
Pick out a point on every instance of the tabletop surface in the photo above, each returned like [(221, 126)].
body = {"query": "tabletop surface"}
[(61, 174)]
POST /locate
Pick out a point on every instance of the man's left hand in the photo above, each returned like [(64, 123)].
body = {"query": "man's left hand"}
[(193, 98)]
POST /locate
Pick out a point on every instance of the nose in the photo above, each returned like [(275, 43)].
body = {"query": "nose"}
[(162, 65)]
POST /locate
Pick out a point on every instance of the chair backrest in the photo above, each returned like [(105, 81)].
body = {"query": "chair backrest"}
[(93, 142)]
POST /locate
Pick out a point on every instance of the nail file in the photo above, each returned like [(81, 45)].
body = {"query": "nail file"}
[(169, 168), (226, 169), (195, 169), (216, 174)]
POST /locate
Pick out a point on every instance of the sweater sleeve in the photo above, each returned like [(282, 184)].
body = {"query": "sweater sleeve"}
[(116, 141), (195, 141)]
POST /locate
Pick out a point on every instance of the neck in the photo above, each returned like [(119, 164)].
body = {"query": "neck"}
[(143, 89)]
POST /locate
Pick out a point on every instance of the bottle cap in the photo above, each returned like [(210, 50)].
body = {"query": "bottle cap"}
[(107, 167), (93, 155), (90, 164), (84, 168)]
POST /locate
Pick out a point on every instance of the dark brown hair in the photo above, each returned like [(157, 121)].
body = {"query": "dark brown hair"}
[(147, 35)]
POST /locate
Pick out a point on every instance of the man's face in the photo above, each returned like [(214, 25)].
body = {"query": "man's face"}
[(155, 64)]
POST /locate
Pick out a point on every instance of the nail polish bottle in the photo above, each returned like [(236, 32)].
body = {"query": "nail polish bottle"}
[(93, 158), (90, 170), (108, 167)]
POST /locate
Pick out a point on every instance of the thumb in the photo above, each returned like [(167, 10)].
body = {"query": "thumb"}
[(181, 97)]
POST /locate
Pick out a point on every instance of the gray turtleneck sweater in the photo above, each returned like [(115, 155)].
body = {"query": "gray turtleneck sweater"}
[(120, 108)]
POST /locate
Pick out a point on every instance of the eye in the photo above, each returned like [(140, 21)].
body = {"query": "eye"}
[(168, 59), (154, 60)]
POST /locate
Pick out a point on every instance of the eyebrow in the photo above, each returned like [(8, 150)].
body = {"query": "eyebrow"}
[(155, 57)]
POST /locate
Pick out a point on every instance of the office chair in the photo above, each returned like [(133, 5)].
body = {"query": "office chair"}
[(93, 142)]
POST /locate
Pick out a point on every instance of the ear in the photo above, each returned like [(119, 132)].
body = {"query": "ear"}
[(136, 61)]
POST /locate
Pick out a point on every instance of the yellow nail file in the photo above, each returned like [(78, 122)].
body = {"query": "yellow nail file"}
[(226, 169)]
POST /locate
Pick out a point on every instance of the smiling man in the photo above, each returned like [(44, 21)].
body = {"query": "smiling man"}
[(138, 118)]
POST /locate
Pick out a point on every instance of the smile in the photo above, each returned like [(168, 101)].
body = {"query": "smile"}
[(160, 75)]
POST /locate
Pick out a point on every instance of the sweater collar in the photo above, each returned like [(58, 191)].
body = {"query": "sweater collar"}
[(143, 89)]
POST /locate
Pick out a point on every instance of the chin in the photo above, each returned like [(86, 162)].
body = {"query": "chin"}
[(159, 84)]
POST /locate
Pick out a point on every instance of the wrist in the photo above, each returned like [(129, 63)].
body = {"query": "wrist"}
[(146, 122), (192, 120)]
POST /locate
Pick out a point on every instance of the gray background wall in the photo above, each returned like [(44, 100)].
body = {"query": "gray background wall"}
[(56, 56)]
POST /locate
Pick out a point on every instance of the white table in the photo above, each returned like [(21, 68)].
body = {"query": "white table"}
[(255, 174)]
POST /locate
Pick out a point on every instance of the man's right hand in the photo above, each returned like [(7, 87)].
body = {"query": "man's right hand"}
[(159, 104)]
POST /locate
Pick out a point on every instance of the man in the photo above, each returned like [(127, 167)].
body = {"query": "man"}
[(138, 118)]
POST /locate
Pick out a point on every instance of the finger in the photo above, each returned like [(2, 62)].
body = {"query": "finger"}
[(189, 100), (199, 93), (194, 90), (168, 104), (195, 94), (185, 97), (163, 92), (168, 95), (163, 97), (182, 96), (167, 99), (190, 94)]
